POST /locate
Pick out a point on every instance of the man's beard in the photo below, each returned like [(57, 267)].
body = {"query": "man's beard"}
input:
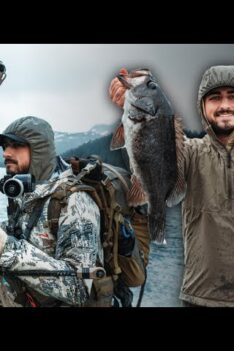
[(221, 130), (22, 170)]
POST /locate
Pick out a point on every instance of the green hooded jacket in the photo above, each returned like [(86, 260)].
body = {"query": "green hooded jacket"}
[(208, 209)]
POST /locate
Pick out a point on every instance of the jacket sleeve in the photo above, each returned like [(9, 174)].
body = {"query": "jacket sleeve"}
[(178, 192), (191, 147), (78, 243), (184, 161)]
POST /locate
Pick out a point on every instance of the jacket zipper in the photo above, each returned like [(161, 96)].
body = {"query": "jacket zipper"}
[(229, 159)]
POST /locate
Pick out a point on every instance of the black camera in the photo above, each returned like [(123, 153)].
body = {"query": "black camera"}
[(16, 185)]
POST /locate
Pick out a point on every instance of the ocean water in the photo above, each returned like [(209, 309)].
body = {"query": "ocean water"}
[(165, 268)]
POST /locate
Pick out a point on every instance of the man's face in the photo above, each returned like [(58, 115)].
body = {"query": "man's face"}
[(17, 157), (219, 109)]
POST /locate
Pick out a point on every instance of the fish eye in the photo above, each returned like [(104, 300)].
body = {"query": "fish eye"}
[(152, 85)]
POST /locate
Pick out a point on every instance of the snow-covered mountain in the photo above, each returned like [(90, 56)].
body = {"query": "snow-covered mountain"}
[(66, 141)]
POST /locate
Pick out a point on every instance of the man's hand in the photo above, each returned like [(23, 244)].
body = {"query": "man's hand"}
[(117, 89)]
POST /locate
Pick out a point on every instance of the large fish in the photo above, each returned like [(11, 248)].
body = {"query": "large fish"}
[(153, 137)]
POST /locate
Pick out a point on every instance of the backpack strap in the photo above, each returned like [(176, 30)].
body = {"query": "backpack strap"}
[(119, 176), (59, 199), (36, 213), (111, 236)]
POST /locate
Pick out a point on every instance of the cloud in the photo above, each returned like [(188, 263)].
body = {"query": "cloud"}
[(67, 84)]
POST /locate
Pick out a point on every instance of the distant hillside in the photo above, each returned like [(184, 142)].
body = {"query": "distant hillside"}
[(101, 147), (66, 141)]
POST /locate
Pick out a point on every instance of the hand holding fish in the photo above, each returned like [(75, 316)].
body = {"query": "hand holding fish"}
[(117, 89)]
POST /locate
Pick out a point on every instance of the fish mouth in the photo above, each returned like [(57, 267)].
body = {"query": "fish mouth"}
[(123, 80)]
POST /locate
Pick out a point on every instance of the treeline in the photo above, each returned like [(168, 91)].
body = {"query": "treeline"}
[(101, 147)]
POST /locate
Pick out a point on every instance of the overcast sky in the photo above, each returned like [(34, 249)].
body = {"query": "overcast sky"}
[(67, 84)]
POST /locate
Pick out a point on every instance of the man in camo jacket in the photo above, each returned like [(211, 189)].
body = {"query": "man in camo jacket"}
[(28, 145)]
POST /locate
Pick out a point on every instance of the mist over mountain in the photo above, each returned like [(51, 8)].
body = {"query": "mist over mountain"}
[(67, 141)]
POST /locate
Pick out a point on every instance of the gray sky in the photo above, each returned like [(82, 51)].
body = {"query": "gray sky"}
[(67, 84)]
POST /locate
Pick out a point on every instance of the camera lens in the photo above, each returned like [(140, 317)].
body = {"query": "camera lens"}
[(17, 185), (13, 188), (28, 181)]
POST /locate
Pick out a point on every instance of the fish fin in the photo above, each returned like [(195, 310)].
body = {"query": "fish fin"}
[(178, 192), (118, 141), (156, 228), (136, 195)]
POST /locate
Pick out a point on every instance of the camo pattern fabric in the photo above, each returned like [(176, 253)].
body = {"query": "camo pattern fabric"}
[(77, 245)]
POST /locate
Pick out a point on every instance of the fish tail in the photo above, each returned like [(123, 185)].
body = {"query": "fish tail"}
[(156, 227)]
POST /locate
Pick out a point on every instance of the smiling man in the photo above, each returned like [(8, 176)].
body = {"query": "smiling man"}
[(219, 110), (208, 206)]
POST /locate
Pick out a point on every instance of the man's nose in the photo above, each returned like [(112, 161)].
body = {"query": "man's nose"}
[(225, 104), (8, 152)]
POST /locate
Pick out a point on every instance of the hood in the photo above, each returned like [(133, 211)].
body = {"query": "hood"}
[(40, 137)]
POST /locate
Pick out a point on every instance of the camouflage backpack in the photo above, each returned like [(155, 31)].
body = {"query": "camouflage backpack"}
[(124, 229)]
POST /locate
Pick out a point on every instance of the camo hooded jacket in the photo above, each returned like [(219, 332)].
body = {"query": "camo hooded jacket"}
[(78, 239), (208, 209)]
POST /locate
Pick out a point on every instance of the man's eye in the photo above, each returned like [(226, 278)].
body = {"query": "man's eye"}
[(214, 97)]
